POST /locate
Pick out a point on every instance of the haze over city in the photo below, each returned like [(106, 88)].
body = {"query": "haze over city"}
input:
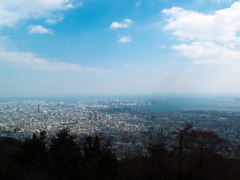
[(72, 47)]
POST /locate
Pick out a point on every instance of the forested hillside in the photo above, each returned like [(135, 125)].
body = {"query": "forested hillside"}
[(184, 153)]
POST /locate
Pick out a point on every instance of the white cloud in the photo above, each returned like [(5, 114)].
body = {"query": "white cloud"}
[(38, 30), (51, 21), (138, 3), (125, 39), (5, 43), (210, 39), (221, 26), (54, 19), (13, 11), (209, 53), (32, 61), (124, 24)]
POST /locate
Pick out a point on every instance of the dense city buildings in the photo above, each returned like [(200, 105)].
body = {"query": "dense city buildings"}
[(20, 119)]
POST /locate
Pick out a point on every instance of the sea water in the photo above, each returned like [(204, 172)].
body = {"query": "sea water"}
[(176, 103)]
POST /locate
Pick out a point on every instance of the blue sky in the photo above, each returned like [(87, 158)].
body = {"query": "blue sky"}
[(102, 47)]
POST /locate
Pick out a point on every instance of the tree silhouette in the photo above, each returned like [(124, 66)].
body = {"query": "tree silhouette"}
[(66, 157), (181, 137), (91, 148)]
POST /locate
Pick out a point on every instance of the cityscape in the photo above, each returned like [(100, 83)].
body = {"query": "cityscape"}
[(21, 119), (119, 90)]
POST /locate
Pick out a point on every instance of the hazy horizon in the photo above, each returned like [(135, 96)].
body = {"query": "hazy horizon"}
[(125, 96)]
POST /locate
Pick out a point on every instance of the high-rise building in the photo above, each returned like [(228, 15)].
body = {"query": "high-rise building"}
[(96, 115), (39, 108), (19, 108), (7, 107), (91, 115), (45, 116)]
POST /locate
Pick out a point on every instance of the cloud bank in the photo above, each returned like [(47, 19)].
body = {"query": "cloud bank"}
[(32, 61), (213, 38), (13, 11), (209, 53)]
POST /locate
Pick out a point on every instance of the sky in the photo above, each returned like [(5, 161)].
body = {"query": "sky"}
[(115, 47)]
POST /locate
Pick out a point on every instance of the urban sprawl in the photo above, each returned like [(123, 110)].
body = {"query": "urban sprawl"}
[(111, 118)]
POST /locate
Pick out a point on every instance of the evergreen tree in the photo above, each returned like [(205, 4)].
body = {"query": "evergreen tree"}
[(66, 157)]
